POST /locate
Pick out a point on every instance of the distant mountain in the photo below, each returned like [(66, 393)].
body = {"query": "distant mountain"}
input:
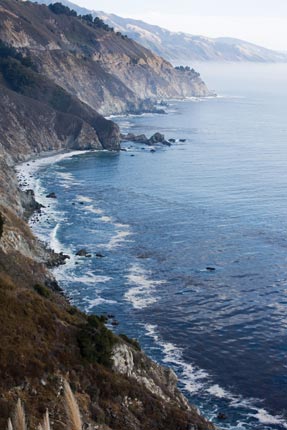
[(180, 47), (183, 47)]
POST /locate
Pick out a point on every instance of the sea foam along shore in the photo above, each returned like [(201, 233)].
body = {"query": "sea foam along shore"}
[(197, 382)]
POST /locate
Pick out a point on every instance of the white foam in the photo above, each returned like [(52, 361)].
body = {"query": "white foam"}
[(66, 176), (196, 380), (98, 301), (217, 391), (90, 279), (142, 295), (84, 199), (105, 218), (54, 242), (94, 210), (193, 379), (26, 171), (118, 239), (265, 418)]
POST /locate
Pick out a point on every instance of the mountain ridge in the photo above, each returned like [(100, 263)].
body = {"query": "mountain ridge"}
[(181, 47)]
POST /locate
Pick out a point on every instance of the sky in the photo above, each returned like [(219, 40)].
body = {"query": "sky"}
[(260, 21)]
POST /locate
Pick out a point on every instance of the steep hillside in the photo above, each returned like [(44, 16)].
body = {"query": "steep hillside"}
[(109, 72), (186, 48), (179, 47)]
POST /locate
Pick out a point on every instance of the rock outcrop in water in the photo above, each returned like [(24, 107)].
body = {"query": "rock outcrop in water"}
[(142, 138)]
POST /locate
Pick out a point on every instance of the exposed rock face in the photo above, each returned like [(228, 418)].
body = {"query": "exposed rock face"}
[(141, 138), (110, 73), (35, 124), (158, 380)]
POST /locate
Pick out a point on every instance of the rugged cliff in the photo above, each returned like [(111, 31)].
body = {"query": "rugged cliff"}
[(43, 338), (104, 69)]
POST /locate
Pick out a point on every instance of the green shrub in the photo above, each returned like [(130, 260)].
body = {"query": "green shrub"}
[(16, 75), (96, 341), (131, 341), (42, 291), (60, 9), (8, 51)]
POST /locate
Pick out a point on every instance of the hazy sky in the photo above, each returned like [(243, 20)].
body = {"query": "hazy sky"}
[(260, 21)]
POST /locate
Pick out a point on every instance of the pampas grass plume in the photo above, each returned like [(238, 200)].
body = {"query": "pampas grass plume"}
[(19, 421), (72, 409)]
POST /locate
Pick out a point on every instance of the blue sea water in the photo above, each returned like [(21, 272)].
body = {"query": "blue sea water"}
[(160, 219)]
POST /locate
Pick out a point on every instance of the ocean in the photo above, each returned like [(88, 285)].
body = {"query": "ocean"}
[(188, 243)]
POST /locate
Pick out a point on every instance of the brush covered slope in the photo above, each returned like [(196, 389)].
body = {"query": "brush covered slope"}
[(106, 70), (45, 340)]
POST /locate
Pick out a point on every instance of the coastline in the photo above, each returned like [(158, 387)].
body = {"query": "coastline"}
[(260, 414), (25, 172)]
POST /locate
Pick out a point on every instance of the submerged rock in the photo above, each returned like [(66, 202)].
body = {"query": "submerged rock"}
[(83, 253), (51, 196)]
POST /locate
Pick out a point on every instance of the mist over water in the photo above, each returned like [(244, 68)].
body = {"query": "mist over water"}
[(160, 219)]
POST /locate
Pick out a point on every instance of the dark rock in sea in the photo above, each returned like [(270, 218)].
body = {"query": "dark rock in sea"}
[(143, 256), (182, 140), (123, 150), (99, 255), (210, 269), (132, 155), (115, 323), (171, 140), (83, 253), (152, 150), (111, 316), (130, 137), (81, 203), (221, 416), (57, 259), (156, 138), (51, 196)]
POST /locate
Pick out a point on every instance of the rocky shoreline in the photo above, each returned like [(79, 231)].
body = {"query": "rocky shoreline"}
[(65, 77), (127, 360)]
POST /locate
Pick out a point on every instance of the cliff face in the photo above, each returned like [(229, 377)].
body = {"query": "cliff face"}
[(102, 68)]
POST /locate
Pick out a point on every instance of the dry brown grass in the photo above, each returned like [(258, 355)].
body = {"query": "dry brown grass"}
[(19, 419), (72, 409), (73, 416), (46, 422), (9, 426)]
